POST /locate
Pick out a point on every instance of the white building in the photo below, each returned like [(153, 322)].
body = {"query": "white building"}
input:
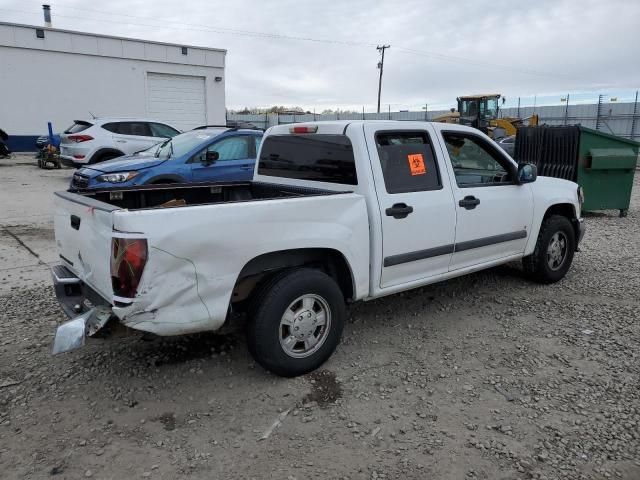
[(52, 75)]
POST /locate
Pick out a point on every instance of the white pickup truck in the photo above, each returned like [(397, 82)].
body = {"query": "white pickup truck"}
[(336, 212)]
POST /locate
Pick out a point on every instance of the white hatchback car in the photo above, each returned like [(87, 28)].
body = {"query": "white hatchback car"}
[(88, 142)]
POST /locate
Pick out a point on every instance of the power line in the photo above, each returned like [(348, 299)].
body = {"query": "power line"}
[(270, 35), (200, 27), (471, 62)]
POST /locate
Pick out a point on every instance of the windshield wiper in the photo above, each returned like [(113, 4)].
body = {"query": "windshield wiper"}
[(162, 145)]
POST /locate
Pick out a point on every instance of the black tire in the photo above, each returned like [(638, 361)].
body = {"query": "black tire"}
[(267, 307), (537, 265)]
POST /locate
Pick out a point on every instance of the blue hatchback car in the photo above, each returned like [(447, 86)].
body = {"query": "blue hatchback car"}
[(203, 155)]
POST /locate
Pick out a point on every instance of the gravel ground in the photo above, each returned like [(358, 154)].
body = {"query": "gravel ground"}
[(484, 377)]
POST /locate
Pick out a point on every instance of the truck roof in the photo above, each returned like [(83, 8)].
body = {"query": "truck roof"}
[(338, 127)]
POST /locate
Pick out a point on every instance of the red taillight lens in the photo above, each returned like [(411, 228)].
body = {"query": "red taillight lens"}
[(128, 258), (80, 138)]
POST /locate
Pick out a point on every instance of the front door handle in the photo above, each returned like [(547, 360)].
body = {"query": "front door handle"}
[(469, 202), (247, 168), (399, 210)]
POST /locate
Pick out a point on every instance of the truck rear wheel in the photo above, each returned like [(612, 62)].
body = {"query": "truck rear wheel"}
[(295, 321), (552, 257)]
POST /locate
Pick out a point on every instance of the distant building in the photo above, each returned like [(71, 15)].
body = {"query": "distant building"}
[(47, 74)]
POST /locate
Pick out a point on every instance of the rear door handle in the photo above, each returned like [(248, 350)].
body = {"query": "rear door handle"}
[(250, 167), (469, 202), (399, 210)]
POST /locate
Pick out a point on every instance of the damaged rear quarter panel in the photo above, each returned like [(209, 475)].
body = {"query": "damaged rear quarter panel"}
[(197, 252)]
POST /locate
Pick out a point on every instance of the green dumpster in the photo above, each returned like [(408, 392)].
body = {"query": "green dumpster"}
[(602, 164)]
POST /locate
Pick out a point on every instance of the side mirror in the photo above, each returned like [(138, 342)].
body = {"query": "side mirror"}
[(211, 157), (527, 173)]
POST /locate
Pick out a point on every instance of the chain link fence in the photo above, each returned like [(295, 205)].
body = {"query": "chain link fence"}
[(622, 119)]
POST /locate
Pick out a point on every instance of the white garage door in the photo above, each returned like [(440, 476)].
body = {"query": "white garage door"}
[(176, 99)]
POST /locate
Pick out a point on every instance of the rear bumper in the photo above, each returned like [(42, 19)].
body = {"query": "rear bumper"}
[(89, 312), (75, 297), (68, 161)]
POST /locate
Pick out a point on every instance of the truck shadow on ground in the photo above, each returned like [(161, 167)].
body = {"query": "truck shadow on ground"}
[(168, 351)]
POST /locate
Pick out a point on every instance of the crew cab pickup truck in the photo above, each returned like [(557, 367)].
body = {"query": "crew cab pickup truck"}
[(336, 212)]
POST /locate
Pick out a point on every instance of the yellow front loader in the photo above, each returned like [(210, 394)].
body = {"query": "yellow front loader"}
[(482, 112)]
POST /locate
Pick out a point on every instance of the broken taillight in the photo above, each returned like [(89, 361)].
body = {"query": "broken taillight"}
[(128, 258)]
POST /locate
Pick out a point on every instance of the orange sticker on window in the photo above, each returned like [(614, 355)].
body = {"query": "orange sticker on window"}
[(416, 164)]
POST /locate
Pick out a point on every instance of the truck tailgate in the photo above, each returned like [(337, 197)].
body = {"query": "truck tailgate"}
[(83, 230)]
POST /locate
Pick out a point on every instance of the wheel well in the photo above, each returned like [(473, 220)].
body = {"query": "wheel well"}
[(164, 178), (97, 156), (566, 210), (563, 209), (328, 260)]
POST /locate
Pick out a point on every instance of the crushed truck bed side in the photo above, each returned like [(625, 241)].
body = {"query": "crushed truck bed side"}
[(196, 252)]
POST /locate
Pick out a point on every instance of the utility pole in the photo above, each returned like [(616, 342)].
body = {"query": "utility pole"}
[(381, 49), (634, 117)]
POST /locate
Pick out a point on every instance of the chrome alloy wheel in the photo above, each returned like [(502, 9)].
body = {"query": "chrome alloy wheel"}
[(557, 251), (305, 325)]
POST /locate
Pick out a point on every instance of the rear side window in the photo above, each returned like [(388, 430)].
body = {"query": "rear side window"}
[(111, 127), (319, 158), (407, 161), (78, 126), (137, 129)]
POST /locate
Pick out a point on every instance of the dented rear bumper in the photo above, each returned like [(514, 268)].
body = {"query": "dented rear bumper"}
[(89, 312)]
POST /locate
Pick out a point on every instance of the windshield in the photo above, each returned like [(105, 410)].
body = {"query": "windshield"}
[(492, 108), (184, 143), (78, 126), (486, 108), (468, 108)]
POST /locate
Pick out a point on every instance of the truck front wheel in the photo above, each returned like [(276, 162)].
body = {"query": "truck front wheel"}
[(295, 321), (552, 257)]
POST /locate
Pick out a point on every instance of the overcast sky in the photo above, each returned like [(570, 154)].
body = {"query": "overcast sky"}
[(439, 49)]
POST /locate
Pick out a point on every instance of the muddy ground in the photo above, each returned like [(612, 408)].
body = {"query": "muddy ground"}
[(484, 377)]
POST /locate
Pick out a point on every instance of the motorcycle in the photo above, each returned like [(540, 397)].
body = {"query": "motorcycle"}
[(48, 151)]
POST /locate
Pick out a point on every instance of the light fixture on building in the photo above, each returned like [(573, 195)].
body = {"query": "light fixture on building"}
[(218, 79)]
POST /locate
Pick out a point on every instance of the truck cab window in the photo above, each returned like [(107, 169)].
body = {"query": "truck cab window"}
[(407, 161), (474, 162), (316, 157)]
